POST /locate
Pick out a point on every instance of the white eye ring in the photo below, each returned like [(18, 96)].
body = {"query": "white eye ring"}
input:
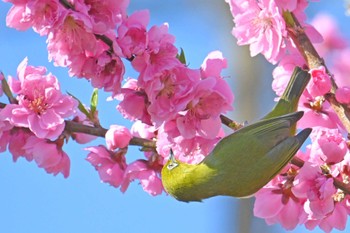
[(172, 165)]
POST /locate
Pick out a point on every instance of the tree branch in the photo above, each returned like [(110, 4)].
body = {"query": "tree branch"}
[(313, 60), (230, 123), (76, 127)]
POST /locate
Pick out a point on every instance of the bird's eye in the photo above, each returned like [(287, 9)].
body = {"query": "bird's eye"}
[(172, 165)]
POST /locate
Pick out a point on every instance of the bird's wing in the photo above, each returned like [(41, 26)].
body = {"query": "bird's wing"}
[(268, 166), (260, 127), (261, 136)]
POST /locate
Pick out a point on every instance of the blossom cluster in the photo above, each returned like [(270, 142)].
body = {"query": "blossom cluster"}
[(32, 125), (303, 195), (175, 106), (171, 104)]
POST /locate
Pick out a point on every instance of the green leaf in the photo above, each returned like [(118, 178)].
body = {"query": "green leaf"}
[(81, 106), (181, 57), (6, 89), (288, 18), (94, 101)]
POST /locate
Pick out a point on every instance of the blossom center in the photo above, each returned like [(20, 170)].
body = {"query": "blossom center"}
[(317, 104), (168, 88), (37, 105), (263, 23)]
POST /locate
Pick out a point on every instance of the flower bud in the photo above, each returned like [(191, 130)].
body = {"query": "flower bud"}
[(117, 137)]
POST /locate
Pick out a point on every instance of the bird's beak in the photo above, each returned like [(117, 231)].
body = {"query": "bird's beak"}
[(172, 161), (172, 156)]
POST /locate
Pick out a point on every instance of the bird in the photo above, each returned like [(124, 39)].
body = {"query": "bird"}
[(246, 160)]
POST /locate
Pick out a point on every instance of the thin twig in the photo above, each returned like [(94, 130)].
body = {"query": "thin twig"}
[(76, 127), (230, 123)]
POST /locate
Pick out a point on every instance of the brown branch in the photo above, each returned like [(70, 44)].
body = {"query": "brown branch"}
[(341, 110), (105, 39), (307, 50), (314, 60), (230, 123), (76, 127)]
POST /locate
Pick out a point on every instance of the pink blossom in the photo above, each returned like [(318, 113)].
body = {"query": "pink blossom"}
[(328, 145), (342, 95), (211, 97), (132, 34), (41, 15), (41, 105), (117, 137), (142, 130), (262, 26), (104, 71), (48, 155), (337, 219), (211, 68), (17, 142), (72, 37), (160, 54), (289, 5), (4, 140), (5, 128), (318, 189), (190, 126), (276, 202), (170, 92), (133, 102), (318, 207), (268, 205), (189, 150), (304, 196), (320, 82), (107, 14), (213, 64), (148, 177), (15, 17), (110, 165), (4, 125), (317, 112), (238, 6)]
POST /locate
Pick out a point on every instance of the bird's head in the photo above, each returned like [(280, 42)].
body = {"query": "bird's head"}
[(172, 162), (170, 165), (172, 173), (185, 182)]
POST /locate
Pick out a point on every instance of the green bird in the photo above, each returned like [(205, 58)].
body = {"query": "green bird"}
[(246, 160)]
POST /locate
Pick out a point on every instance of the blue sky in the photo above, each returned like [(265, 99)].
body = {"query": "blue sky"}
[(33, 201)]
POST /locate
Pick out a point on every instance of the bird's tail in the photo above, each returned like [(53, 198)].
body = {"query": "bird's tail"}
[(302, 136), (288, 102)]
